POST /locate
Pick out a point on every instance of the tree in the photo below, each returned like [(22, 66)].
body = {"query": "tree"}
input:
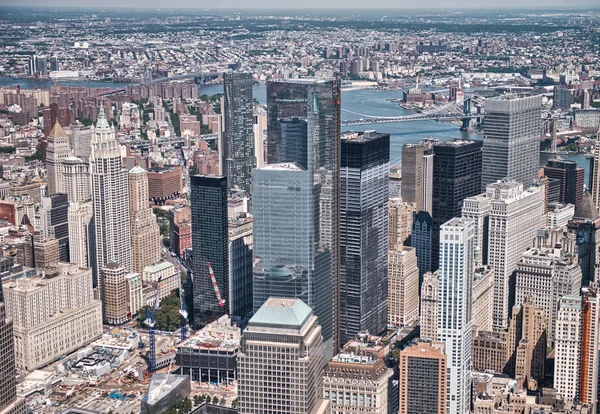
[(186, 405), (223, 401), (215, 400)]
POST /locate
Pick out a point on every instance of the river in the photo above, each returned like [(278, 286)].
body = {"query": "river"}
[(364, 101)]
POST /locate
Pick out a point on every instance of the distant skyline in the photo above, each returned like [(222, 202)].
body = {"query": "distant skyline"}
[(307, 4)]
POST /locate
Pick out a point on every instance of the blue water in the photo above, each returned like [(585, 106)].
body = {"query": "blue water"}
[(364, 101)]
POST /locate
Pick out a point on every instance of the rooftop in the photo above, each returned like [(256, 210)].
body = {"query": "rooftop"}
[(282, 312), (158, 266), (284, 166)]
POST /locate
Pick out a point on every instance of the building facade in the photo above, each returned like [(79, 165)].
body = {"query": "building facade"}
[(115, 299), (421, 239), (364, 178), (56, 151), (9, 403), (54, 222), (429, 305), (571, 179), (400, 221), (240, 266), (403, 286)]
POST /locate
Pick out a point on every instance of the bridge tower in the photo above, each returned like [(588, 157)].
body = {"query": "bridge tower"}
[(466, 121)]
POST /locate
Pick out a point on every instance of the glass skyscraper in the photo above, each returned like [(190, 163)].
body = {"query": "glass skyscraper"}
[(511, 147), (364, 178), (296, 203), (210, 244), (238, 136)]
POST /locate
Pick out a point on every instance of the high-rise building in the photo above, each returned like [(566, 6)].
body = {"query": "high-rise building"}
[(454, 309), (490, 351), (568, 347), (585, 225), (511, 139), (56, 151), (429, 305), (421, 239), (280, 361), (76, 179), (590, 347), (180, 229), (478, 209), (400, 221), (594, 175), (571, 179), (527, 344), (54, 222), (115, 300), (9, 403), (145, 234), (46, 328), (237, 153), (364, 234), (417, 169), (423, 378), (110, 195), (240, 266), (403, 286), (456, 176), (515, 216), (547, 272), (210, 244), (304, 127), (483, 299)]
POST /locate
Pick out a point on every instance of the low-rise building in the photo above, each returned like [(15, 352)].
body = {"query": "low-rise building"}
[(164, 271)]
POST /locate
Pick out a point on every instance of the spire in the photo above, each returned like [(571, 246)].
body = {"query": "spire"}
[(102, 122), (57, 131)]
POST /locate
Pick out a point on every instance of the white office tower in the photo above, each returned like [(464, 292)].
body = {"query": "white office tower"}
[(280, 361), (76, 177), (478, 209), (56, 152), (429, 305), (454, 309), (516, 215), (110, 195), (568, 349), (145, 234)]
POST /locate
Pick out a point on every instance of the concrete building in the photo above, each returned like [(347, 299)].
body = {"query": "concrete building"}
[(511, 139), (52, 315), (164, 183), (180, 229), (571, 179), (238, 159), (568, 347), (429, 305), (357, 379), (455, 309), (145, 234), (515, 216), (110, 195), (135, 297), (403, 286), (364, 177), (547, 272), (559, 215), (54, 222), (423, 378), (282, 342), (168, 274), (57, 150), (483, 299), (595, 173), (417, 175), (590, 348), (491, 351), (80, 140), (115, 300), (400, 219), (210, 244), (46, 252), (478, 209)]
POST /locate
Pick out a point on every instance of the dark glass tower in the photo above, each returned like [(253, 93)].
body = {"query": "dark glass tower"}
[(238, 137), (364, 178), (421, 239), (304, 128), (570, 177), (210, 244), (8, 384), (457, 172), (55, 221)]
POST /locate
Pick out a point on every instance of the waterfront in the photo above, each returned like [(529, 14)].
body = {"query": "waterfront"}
[(366, 101)]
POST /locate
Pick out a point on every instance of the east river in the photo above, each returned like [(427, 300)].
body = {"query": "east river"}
[(363, 101)]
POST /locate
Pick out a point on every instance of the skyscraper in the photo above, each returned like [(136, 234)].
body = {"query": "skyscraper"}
[(422, 240), (423, 378), (304, 127), (240, 266), (456, 176), (511, 139), (115, 303), (478, 209), (570, 177), (56, 151), (417, 175), (364, 234), (238, 158), (210, 244), (145, 234), (54, 222), (9, 403), (454, 309), (110, 195), (400, 221), (585, 225), (595, 173), (516, 215), (280, 361), (429, 305), (403, 286), (568, 347)]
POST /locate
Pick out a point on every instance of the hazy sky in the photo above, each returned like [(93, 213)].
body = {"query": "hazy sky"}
[(246, 4)]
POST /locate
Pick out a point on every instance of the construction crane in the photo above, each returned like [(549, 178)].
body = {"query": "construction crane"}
[(211, 276), (183, 312), (151, 322)]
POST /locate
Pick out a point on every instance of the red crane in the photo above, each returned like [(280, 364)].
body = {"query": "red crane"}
[(211, 276)]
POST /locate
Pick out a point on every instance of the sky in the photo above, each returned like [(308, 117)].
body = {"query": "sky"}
[(296, 4)]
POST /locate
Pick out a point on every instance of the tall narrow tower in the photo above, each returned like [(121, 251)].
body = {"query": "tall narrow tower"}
[(454, 309), (110, 195), (56, 152), (238, 140)]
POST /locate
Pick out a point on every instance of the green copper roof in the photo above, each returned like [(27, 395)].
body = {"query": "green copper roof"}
[(282, 312)]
